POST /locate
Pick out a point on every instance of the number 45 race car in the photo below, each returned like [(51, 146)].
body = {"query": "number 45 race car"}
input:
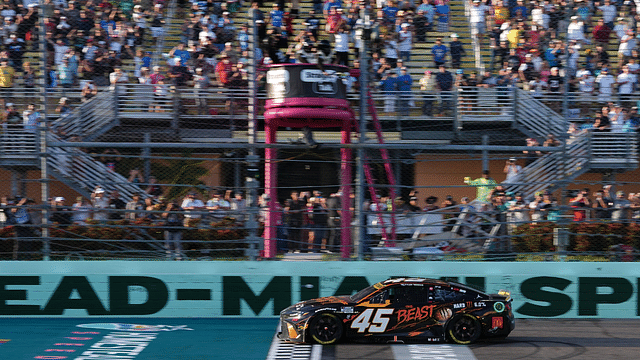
[(400, 310)]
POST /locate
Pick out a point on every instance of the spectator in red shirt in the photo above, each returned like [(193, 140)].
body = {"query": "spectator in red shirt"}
[(601, 33), (222, 70)]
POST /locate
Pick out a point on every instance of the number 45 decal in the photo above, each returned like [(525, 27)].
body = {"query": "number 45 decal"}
[(379, 323)]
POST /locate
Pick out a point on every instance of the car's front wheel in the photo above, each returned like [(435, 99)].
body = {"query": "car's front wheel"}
[(464, 329), (325, 329)]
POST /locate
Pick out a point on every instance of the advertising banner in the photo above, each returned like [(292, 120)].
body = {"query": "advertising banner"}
[(306, 81), (234, 289)]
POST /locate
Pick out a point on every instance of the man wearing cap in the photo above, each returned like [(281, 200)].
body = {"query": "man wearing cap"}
[(478, 18), (405, 42), (100, 204), (575, 30), (511, 169), (61, 214), (457, 51)]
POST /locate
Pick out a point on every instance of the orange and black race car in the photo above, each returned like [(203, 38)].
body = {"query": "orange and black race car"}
[(401, 310)]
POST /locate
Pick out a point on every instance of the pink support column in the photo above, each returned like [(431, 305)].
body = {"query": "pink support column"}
[(270, 184), (345, 181)]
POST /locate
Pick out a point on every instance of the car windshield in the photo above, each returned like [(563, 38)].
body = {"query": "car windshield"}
[(365, 292)]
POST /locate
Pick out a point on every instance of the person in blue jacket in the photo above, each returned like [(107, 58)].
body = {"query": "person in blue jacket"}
[(389, 86), (439, 52), (404, 82)]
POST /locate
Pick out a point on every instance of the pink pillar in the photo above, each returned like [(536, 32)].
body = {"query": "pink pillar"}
[(270, 183), (345, 181)]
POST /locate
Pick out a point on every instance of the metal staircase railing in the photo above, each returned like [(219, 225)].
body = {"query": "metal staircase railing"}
[(535, 118), (83, 173), (91, 119)]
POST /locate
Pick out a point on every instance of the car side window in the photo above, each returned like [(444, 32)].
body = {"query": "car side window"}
[(380, 297), (414, 294), (449, 295)]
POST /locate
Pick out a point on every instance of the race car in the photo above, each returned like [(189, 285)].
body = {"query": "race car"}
[(400, 310)]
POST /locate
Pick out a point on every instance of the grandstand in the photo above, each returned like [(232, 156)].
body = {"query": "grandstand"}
[(189, 128)]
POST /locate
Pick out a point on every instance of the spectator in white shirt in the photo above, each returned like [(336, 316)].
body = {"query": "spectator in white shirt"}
[(405, 42), (342, 46), (575, 31), (626, 81), (478, 19), (627, 45), (605, 83)]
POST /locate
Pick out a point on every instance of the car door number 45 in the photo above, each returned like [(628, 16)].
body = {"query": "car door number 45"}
[(378, 324)]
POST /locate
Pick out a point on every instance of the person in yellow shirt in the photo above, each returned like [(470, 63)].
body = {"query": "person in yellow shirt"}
[(501, 13), (483, 185), (7, 73)]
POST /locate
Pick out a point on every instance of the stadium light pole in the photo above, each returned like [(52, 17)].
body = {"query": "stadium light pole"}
[(45, 10), (361, 218), (251, 181)]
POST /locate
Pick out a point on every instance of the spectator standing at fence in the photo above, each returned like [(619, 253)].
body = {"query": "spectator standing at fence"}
[(334, 211), (118, 78), (173, 219), (31, 118), (600, 206), (404, 82), (61, 214), (389, 86), (100, 203), (342, 46), (293, 212), (484, 185), (580, 203), (192, 206), (81, 211), (621, 208), (428, 89), (89, 90), (134, 208), (237, 205), (117, 206), (444, 83)]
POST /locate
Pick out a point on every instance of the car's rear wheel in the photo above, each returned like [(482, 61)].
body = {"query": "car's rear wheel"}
[(325, 329), (464, 329)]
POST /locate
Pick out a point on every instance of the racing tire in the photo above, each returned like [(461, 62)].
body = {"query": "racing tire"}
[(464, 329), (325, 329)]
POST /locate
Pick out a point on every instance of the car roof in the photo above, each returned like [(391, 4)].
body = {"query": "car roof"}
[(424, 281)]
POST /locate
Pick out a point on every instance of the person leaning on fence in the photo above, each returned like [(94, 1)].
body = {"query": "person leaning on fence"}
[(173, 219), (484, 185), (192, 206)]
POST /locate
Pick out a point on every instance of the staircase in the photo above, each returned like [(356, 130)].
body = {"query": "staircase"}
[(91, 119), (83, 173), (534, 118)]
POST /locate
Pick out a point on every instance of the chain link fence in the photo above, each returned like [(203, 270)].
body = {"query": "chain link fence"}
[(111, 149)]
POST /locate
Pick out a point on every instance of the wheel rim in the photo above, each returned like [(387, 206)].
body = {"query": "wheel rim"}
[(326, 328), (465, 329)]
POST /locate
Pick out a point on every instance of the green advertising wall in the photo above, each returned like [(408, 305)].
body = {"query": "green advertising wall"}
[(236, 288)]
